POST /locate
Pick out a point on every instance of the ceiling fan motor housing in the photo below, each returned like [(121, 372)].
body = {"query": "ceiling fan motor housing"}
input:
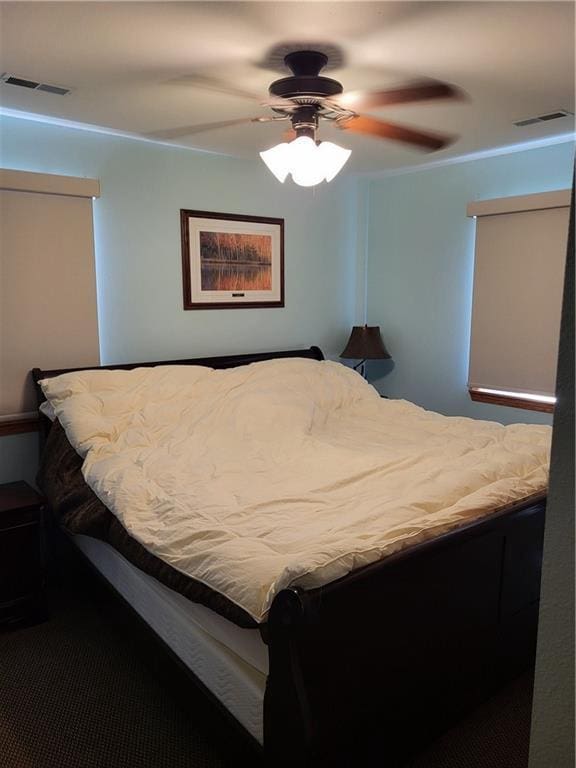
[(306, 83)]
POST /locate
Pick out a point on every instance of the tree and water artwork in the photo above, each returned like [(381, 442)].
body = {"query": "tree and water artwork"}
[(235, 261), (231, 261)]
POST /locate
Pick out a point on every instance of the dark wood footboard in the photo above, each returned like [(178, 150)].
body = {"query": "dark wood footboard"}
[(367, 669)]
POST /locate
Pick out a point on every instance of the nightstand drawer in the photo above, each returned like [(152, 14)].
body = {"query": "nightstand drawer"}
[(14, 518), (22, 576), (20, 561)]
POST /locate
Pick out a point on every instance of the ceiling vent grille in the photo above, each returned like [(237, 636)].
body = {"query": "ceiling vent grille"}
[(544, 118), (33, 85)]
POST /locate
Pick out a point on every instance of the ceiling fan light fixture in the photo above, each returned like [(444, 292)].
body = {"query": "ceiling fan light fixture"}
[(307, 169), (278, 161), (308, 163), (334, 158)]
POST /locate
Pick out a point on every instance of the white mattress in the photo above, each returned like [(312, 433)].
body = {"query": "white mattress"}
[(231, 662)]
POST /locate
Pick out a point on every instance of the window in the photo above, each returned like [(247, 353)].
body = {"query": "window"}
[(47, 285), (518, 280)]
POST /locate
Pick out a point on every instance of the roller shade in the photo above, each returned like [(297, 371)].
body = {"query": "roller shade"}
[(48, 315), (518, 280)]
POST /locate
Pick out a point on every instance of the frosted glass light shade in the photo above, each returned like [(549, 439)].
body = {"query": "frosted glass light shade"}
[(278, 161), (333, 158), (308, 162)]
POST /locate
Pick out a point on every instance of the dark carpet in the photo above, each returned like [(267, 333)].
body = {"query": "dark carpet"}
[(82, 691)]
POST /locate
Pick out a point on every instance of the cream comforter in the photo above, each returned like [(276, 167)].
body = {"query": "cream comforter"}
[(283, 472)]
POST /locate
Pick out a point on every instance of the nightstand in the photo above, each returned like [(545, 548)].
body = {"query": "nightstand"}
[(22, 558)]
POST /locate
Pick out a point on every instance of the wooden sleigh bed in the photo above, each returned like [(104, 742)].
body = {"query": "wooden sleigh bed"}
[(368, 668)]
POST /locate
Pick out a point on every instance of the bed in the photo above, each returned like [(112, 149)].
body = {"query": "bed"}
[(369, 665)]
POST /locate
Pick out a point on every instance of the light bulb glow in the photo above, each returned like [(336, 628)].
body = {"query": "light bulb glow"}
[(308, 163), (306, 169)]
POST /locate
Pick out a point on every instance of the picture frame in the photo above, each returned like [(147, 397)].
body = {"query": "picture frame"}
[(231, 261)]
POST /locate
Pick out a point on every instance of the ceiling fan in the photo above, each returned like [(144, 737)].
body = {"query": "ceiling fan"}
[(306, 98)]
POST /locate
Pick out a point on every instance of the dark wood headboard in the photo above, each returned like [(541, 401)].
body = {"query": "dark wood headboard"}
[(227, 361)]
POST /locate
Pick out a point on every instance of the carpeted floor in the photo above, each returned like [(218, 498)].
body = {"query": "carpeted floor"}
[(79, 691)]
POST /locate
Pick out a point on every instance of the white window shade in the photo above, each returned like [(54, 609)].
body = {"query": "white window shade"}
[(48, 315), (518, 281)]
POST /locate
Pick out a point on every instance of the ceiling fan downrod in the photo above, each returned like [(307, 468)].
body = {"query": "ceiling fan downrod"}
[(305, 121)]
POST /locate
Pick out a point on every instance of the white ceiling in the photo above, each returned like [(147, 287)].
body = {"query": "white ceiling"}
[(124, 61)]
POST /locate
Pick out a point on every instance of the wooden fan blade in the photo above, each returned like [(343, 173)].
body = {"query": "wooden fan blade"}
[(190, 130), (410, 93), (214, 84), (385, 130)]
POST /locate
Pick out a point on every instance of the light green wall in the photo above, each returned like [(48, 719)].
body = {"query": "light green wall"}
[(397, 250), (420, 268), (19, 457), (137, 233), (137, 236)]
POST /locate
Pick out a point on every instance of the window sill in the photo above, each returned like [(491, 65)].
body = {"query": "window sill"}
[(18, 426), (511, 401)]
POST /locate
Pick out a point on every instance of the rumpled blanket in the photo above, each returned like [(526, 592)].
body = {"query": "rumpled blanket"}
[(284, 472)]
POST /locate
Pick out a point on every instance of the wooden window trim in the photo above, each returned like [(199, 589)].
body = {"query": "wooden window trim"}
[(19, 426), (512, 401)]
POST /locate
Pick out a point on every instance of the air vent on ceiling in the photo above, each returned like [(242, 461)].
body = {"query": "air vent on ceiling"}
[(543, 118), (33, 85)]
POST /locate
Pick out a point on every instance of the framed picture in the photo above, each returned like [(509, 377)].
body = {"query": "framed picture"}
[(230, 261)]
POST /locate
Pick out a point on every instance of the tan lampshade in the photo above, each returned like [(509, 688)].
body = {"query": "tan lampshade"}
[(365, 343)]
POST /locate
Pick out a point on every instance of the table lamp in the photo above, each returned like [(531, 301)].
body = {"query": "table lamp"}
[(365, 343)]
